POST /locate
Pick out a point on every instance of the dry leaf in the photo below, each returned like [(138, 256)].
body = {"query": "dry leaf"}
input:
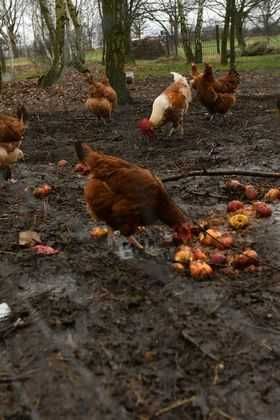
[(29, 238)]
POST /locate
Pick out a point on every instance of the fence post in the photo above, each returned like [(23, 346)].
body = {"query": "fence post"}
[(218, 39)]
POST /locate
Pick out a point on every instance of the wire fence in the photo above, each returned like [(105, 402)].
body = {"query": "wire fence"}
[(257, 44)]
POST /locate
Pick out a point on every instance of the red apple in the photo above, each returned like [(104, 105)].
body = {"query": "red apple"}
[(200, 270), (234, 205), (250, 192), (218, 259), (262, 209), (272, 195), (62, 163)]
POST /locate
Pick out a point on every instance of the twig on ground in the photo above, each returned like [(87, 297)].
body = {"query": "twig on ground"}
[(4, 379), (172, 406), (207, 194), (194, 342), (221, 413)]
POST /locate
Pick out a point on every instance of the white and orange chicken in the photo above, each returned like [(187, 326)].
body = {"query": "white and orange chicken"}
[(169, 107), (11, 134), (126, 196)]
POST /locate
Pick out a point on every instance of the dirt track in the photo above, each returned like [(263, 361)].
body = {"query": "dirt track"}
[(104, 338)]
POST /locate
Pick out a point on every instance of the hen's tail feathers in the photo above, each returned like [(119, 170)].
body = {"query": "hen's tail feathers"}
[(22, 114), (177, 76), (83, 151), (235, 76), (195, 71), (89, 77)]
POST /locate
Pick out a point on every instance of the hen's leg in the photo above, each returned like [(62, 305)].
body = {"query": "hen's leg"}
[(6, 172), (112, 236), (133, 241), (181, 128), (171, 131)]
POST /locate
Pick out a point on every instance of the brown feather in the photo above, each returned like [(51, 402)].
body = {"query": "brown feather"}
[(125, 195), (214, 101), (101, 107)]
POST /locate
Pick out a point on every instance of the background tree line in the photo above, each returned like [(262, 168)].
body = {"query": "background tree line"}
[(64, 29)]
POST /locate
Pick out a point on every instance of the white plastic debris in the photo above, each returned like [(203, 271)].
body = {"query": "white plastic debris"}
[(5, 311), (120, 246), (129, 75)]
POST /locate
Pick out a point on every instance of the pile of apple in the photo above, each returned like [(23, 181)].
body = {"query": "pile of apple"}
[(202, 263), (250, 192)]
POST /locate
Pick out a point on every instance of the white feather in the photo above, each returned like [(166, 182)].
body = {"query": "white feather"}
[(160, 105), (12, 157), (162, 102), (179, 78)]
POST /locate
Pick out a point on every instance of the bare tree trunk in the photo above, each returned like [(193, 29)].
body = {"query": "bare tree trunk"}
[(2, 66), (225, 34), (198, 31), (128, 50), (172, 46), (103, 31), (232, 33), (2, 60), (176, 37), (115, 38), (68, 50), (78, 52), (103, 51), (57, 65), (44, 6), (13, 42), (239, 21), (167, 43), (185, 34), (218, 39)]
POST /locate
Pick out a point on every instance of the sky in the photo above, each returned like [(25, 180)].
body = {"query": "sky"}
[(151, 29)]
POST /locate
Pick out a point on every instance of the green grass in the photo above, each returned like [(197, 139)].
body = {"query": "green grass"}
[(25, 68), (94, 55), (157, 68)]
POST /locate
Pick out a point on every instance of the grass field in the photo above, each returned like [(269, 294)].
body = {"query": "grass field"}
[(22, 68)]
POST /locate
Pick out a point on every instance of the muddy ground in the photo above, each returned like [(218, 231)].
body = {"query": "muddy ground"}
[(92, 336)]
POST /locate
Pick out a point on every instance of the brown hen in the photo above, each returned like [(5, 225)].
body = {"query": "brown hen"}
[(228, 83), (126, 196), (214, 102), (11, 134)]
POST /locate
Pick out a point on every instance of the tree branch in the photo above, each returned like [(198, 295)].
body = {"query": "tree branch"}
[(221, 172)]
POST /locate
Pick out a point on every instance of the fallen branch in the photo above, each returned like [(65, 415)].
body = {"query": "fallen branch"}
[(198, 346), (4, 379), (207, 194), (174, 405), (221, 172)]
